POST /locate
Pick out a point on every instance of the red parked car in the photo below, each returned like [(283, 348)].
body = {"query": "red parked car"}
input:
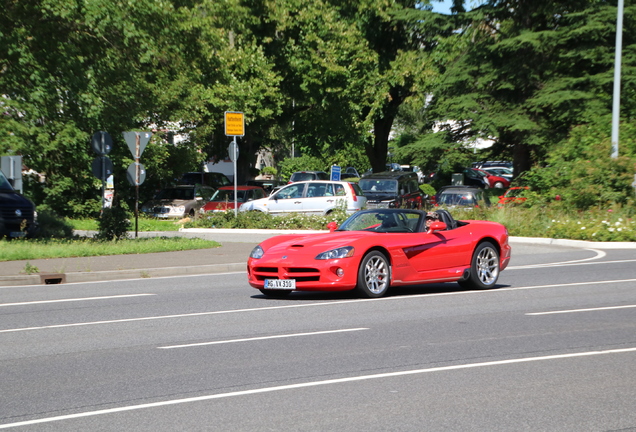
[(376, 249), (512, 196), (223, 198), (494, 181)]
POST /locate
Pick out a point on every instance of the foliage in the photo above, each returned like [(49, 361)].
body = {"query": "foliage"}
[(427, 189), (269, 170), (303, 163), (259, 220), (114, 224), (528, 74), (84, 247), (30, 269), (581, 171), (51, 225)]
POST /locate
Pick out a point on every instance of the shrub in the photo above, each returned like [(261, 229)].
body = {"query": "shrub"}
[(51, 225), (113, 224)]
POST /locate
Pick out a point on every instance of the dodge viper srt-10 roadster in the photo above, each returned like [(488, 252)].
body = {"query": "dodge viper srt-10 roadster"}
[(376, 249)]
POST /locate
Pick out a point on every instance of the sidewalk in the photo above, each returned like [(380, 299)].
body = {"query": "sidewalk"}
[(231, 256)]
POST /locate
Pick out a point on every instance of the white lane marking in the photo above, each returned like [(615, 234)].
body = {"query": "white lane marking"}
[(314, 384), (409, 298), (599, 254), (262, 338), (582, 310), (74, 299)]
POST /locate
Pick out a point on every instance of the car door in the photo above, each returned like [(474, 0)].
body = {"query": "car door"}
[(441, 254), (320, 198), (288, 199)]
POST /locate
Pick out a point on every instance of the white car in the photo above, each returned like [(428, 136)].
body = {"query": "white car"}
[(315, 197)]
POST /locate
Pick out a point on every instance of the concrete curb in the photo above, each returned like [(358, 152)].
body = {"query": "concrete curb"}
[(573, 243), (111, 275)]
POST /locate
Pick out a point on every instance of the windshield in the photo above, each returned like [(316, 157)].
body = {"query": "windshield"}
[(176, 194), (228, 195), (4, 183), (462, 199), (374, 185), (393, 220)]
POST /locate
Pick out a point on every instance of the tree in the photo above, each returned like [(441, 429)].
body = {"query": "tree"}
[(347, 67), (531, 71)]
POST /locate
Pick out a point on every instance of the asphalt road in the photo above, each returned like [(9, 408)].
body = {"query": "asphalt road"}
[(552, 348)]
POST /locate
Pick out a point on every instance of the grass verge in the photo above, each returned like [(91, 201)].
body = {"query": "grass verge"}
[(67, 248)]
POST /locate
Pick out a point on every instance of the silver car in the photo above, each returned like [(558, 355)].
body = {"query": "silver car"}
[(310, 197), (178, 201)]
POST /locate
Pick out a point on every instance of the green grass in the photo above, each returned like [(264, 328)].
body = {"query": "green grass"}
[(144, 224), (65, 248)]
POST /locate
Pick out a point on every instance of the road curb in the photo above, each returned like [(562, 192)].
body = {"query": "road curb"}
[(110, 275), (573, 243)]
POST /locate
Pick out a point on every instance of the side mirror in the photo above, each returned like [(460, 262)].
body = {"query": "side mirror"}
[(332, 226), (436, 226)]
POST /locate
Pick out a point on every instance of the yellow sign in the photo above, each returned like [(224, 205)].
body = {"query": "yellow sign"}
[(234, 123)]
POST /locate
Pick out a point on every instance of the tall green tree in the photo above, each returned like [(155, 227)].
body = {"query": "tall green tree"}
[(530, 70)]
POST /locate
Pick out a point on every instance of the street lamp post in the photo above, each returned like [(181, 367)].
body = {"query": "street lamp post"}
[(616, 105)]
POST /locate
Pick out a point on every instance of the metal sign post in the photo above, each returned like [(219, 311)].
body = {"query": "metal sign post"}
[(234, 126), (136, 172), (102, 166)]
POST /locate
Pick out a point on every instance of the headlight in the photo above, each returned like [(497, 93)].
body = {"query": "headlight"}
[(343, 252), (257, 252)]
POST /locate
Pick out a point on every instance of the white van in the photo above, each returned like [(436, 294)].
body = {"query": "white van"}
[(315, 197)]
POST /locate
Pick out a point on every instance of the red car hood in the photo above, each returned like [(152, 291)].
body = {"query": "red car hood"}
[(311, 243)]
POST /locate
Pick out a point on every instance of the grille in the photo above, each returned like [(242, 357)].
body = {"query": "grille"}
[(301, 274), (8, 214)]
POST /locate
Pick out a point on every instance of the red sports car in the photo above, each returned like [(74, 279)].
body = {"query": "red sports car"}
[(376, 249)]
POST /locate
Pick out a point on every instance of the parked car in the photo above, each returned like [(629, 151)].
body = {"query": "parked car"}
[(473, 177), (513, 196), (486, 164), (314, 197), (212, 179), (499, 171), (17, 214), (392, 189), (308, 175), (350, 172), (375, 250), (178, 201), (416, 170), (267, 185), (494, 181), (223, 198), (461, 197)]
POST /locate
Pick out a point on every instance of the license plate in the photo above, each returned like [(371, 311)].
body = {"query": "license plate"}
[(16, 234), (284, 284)]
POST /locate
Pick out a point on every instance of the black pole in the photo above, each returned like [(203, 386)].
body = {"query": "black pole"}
[(136, 210)]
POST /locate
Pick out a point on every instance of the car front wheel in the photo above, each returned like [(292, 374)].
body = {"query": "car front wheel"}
[(374, 275), (484, 268)]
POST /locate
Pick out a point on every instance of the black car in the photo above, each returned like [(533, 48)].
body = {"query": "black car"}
[(17, 214), (392, 189)]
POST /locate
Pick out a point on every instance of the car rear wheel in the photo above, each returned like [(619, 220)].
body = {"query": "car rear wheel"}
[(499, 185), (374, 275), (275, 293), (484, 268)]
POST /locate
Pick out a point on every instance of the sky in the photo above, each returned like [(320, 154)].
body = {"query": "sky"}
[(444, 6)]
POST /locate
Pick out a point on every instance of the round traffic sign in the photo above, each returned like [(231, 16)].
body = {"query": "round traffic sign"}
[(102, 167), (102, 143), (136, 174)]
